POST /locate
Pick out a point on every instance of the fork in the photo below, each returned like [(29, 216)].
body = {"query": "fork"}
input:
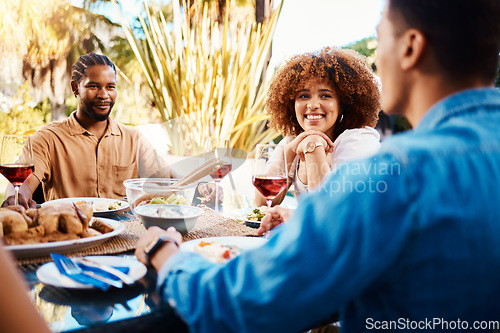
[(69, 268), (91, 265)]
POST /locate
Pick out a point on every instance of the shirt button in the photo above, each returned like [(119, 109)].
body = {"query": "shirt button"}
[(171, 302)]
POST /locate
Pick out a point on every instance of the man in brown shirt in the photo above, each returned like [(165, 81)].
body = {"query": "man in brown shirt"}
[(88, 154)]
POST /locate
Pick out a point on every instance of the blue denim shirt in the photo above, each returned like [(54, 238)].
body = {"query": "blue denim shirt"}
[(407, 239)]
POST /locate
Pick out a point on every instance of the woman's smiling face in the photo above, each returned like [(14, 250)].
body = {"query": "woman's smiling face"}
[(317, 106)]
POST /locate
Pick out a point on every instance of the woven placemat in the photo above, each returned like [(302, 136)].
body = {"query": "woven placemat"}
[(214, 224), (210, 224)]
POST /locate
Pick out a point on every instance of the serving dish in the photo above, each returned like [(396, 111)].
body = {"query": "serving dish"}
[(100, 205), (242, 215), (181, 217), (43, 249)]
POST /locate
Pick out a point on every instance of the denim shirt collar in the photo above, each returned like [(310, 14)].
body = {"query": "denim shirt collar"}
[(455, 104)]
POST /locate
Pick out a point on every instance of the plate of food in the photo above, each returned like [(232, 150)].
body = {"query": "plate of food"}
[(100, 206), (222, 249), (59, 227), (252, 217), (50, 275)]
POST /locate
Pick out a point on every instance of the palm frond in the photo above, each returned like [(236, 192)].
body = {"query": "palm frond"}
[(205, 75)]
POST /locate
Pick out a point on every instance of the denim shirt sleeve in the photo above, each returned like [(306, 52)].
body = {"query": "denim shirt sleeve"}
[(323, 258)]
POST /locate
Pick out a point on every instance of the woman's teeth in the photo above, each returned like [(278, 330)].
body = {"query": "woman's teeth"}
[(313, 117)]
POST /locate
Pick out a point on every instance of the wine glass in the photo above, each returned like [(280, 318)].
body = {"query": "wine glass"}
[(16, 160), (270, 173), (219, 151)]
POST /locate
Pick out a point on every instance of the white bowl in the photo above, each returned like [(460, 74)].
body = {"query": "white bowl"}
[(141, 191), (181, 217)]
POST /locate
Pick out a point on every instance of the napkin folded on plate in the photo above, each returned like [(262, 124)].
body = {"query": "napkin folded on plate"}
[(88, 273)]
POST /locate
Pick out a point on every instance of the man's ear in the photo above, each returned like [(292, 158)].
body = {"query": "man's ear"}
[(413, 47), (74, 87)]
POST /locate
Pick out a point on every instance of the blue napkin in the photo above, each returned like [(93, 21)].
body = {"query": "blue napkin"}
[(101, 272), (79, 276)]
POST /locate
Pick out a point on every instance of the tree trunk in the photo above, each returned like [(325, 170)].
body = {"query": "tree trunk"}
[(263, 12), (60, 88), (51, 81)]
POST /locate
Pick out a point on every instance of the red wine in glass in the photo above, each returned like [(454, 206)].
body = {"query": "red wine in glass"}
[(270, 186), (16, 173), (16, 160), (222, 171), (219, 149), (270, 173)]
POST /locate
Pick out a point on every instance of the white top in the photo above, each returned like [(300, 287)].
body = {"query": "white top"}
[(351, 145)]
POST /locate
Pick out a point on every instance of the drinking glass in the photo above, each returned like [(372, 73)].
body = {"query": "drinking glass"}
[(270, 173), (16, 160), (219, 150)]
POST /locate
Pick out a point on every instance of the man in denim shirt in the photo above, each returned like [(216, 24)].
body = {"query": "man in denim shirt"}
[(408, 240)]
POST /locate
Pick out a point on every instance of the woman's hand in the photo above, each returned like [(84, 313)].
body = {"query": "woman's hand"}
[(294, 144), (318, 138), (274, 217), (164, 253)]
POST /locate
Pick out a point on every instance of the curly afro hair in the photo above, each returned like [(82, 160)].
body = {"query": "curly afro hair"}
[(345, 70)]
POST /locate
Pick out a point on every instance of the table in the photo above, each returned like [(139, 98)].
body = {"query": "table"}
[(135, 308)]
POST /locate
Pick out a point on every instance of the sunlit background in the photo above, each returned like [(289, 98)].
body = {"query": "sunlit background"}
[(176, 97)]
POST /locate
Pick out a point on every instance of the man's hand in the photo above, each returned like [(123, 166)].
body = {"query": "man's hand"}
[(207, 191), (164, 253), (274, 217), (23, 201)]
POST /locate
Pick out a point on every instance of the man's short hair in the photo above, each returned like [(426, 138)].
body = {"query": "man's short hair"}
[(88, 60), (464, 34)]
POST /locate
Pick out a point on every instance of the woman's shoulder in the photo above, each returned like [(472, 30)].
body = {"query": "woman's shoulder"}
[(356, 143), (367, 132), (286, 139), (366, 135)]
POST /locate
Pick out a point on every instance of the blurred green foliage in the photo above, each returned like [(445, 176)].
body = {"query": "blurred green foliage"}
[(366, 47), (21, 114)]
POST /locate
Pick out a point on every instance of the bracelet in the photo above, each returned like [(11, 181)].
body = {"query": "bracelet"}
[(156, 244)]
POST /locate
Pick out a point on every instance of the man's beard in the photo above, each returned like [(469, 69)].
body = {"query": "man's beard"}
[(89, 111)]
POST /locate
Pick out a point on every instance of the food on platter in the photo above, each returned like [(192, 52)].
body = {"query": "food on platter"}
[(257, 214), (216, 252), (104, 206), (50, 223), (101, 226)]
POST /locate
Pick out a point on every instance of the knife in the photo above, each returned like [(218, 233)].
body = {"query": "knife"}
[(69, 268), (105, 270)]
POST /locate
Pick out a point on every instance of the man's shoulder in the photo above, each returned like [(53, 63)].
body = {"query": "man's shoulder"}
[(58, 126), (123, 129)]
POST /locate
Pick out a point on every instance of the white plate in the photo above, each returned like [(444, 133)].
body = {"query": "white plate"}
[(100, 201), (244, 243), (43, 249), (241, 215), (49, 274)]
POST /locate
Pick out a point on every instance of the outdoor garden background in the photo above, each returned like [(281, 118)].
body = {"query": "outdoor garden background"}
[(186, 70)]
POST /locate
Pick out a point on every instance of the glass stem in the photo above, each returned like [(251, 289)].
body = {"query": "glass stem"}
[(269, 203), (16, 195), (217, 197)]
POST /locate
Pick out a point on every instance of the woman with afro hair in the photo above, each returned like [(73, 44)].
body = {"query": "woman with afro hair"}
[(325, 104)]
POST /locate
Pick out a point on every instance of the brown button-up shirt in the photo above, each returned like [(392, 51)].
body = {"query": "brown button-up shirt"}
[(72, 162)]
